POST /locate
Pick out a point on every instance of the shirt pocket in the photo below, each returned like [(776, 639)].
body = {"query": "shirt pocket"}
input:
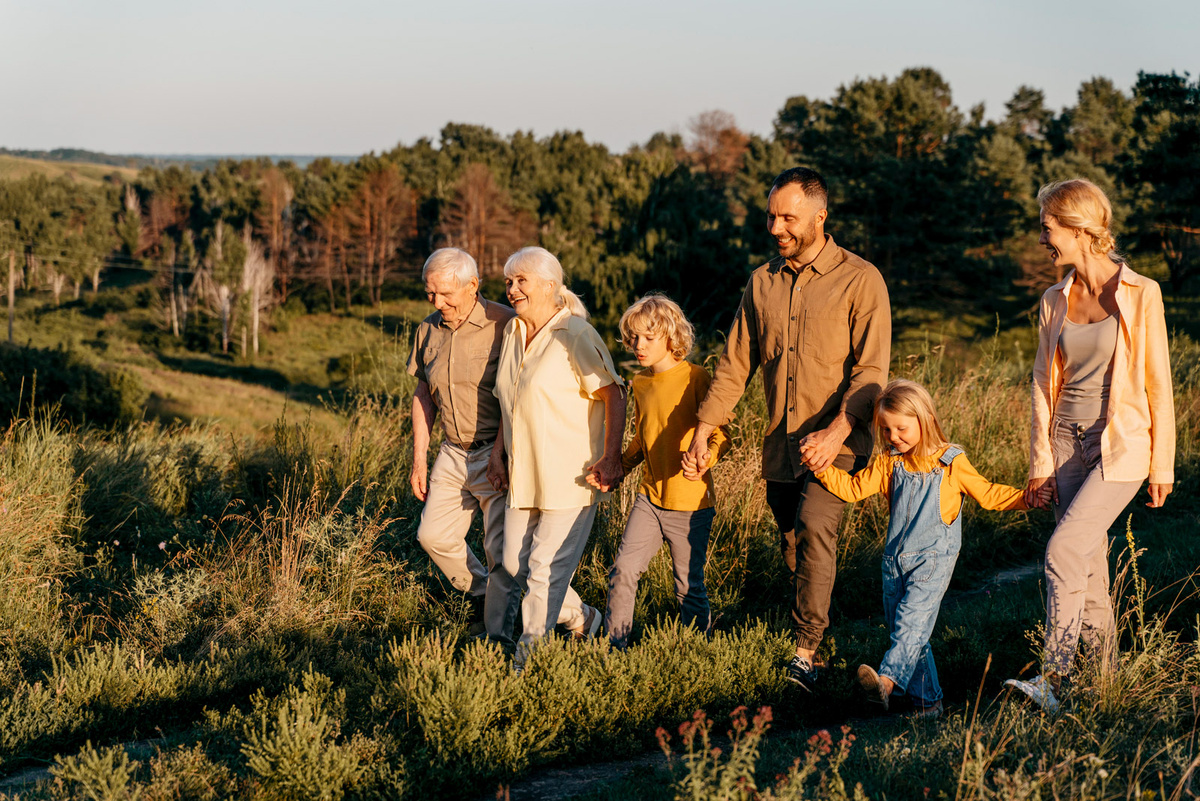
[(437, 366), (826, 335), (773, 330)]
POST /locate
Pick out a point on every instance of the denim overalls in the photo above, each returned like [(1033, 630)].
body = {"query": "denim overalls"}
[(918, 559)]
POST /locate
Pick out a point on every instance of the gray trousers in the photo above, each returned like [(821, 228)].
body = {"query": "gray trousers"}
[(686, 534), (1077, 600)]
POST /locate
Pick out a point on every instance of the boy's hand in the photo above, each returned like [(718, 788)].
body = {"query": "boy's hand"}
[(693, 471), (808, 453)]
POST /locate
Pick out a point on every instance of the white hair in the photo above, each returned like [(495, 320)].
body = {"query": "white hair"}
[(541, 263), (450, 261)]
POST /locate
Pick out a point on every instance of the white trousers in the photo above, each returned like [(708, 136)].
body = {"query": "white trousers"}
[(542, 548)]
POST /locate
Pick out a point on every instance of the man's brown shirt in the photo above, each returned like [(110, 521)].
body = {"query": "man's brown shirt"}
[(822, 337), (460, 368)]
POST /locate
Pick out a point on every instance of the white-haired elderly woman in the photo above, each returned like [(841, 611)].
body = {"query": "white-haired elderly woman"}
[(563, 407)]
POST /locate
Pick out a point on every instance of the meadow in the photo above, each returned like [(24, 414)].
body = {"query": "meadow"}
[(189, 611)]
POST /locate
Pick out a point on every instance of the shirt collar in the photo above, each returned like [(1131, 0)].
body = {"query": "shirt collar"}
[(1125, 272), (477, 316), (826, 260), (560, 319)]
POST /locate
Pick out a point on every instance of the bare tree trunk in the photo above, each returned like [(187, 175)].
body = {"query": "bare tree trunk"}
[(78, 289), (224, 302), (12, 290), (96, 280), (174, 311), (254, 303), (243, 341)]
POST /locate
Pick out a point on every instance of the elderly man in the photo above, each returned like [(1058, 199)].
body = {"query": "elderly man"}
[(454, 358), (818, 322)]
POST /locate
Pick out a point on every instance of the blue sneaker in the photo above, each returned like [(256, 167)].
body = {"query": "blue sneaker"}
[(803, 672)]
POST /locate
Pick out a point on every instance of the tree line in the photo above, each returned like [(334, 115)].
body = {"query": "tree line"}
[(942, 200)]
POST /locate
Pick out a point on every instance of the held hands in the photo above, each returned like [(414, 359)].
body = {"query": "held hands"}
[(696, 457), (606, 473), (1041, 493), (820, 448)]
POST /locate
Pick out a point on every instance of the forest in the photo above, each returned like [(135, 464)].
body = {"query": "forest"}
[(941, 200)]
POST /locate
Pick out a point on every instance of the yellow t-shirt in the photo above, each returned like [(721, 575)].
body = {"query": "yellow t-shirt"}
[(664, 420), (553, 418), (959, 478)]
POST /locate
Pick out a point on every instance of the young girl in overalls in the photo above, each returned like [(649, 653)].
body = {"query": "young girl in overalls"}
[(925, 478)]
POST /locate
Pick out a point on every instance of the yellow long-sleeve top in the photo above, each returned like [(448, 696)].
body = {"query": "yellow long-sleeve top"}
[(960, 477), (664, 420)]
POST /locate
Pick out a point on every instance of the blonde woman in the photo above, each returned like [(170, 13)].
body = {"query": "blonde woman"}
[(1103, 419), (563, 410)]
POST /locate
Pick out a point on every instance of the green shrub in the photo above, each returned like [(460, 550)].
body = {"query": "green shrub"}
[(98, 775), (67, 382)]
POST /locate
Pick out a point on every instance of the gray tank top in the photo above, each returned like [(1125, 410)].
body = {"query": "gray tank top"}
[(1087, 355)]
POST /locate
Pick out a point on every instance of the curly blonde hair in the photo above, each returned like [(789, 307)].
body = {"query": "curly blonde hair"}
[(657, 314), (1080, 204)]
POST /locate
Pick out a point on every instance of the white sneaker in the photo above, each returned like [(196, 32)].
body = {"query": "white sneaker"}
[(1039, 691)]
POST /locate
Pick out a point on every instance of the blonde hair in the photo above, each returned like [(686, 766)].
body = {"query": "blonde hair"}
[(909, 398), (1080, 204), (657, 314), (541, 263)]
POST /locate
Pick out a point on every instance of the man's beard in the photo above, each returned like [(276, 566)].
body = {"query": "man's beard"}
[(801, 243)]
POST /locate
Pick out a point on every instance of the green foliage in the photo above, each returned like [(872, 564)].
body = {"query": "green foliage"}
[(291, 743), (99, 775), (68, 382)]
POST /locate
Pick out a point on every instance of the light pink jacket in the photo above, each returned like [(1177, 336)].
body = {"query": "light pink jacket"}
[(1139, 437)]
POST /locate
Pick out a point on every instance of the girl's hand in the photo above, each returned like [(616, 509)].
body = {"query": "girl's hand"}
[(1039, 492), (1158, 494)]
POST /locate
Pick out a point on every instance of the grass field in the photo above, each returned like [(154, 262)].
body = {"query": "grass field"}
[(15, 168), (257, 606)]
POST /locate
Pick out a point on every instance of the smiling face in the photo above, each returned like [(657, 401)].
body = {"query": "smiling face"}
[(795, 221), (452, 299), (1062, 242), (652, 350), (530, 296), (901, 431)]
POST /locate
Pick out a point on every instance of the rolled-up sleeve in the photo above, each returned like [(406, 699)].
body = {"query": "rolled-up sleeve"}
[(1041, 457), (1158, 390), (871, 342), (736, 366)]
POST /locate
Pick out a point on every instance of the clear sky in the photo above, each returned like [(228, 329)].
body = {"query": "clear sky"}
[(348, 76)]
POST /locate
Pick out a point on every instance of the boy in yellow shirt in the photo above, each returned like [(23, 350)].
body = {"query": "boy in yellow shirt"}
[(671, 504)]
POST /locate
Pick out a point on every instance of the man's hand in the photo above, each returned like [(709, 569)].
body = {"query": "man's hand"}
[(820, 448), (605, 474), (419, 480), (1158, 494), (1040, 493), (695, 458), (497, 469)]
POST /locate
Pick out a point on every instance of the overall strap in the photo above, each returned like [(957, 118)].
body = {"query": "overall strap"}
[(951, 452)]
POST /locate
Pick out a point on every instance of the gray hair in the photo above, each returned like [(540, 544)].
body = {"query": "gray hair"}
[(451, 261), (541, 263)]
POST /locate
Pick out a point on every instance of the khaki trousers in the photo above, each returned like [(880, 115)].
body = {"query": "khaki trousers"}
[(458, 487), (1077, 600), (542, 548)]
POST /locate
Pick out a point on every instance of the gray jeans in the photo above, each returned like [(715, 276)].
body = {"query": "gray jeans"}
[(1077, 601), (686, 534)]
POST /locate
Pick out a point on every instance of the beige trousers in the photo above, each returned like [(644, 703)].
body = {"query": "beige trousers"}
[(542, 548), (458, 487), (1077, 600)]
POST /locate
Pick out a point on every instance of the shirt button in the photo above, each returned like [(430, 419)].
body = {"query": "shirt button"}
[(791, 347), (793, 317)]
